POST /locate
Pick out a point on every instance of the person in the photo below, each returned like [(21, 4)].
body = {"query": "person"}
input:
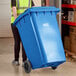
[(18, 7)]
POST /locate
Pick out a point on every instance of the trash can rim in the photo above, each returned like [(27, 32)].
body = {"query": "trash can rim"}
[(36, 9)]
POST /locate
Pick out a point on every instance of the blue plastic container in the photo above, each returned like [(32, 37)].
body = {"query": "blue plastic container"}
[(39, 32)]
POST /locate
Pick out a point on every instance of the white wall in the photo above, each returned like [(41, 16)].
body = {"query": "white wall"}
[(5, 15)]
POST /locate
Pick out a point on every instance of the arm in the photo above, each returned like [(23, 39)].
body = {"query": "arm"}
[(14, 10), (32, 3), (47, 2)]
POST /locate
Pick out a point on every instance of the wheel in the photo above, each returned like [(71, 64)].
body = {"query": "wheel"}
[(27, 66), (54, 68)]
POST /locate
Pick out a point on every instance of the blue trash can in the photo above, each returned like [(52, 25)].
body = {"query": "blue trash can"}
[(39, 32)]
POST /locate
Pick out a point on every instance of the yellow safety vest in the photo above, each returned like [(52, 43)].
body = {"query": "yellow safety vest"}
[(21, 6)]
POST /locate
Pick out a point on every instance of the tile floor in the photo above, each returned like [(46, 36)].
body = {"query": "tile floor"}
[(7, 69)]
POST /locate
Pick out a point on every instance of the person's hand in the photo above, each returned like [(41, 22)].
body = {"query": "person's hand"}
[(15, 17)]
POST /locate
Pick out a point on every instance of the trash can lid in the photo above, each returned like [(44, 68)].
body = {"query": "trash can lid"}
[(36, 9)]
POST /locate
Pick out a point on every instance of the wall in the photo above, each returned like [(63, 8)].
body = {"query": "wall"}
[(5, 15)]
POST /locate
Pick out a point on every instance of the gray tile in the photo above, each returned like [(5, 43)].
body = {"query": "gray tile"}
[(7, 69)]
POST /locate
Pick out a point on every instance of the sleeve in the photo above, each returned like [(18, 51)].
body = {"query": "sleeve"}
[(13, 3)]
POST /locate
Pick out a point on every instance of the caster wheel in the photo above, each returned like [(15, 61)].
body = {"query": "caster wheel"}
[(27, 66), (54, 68)]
